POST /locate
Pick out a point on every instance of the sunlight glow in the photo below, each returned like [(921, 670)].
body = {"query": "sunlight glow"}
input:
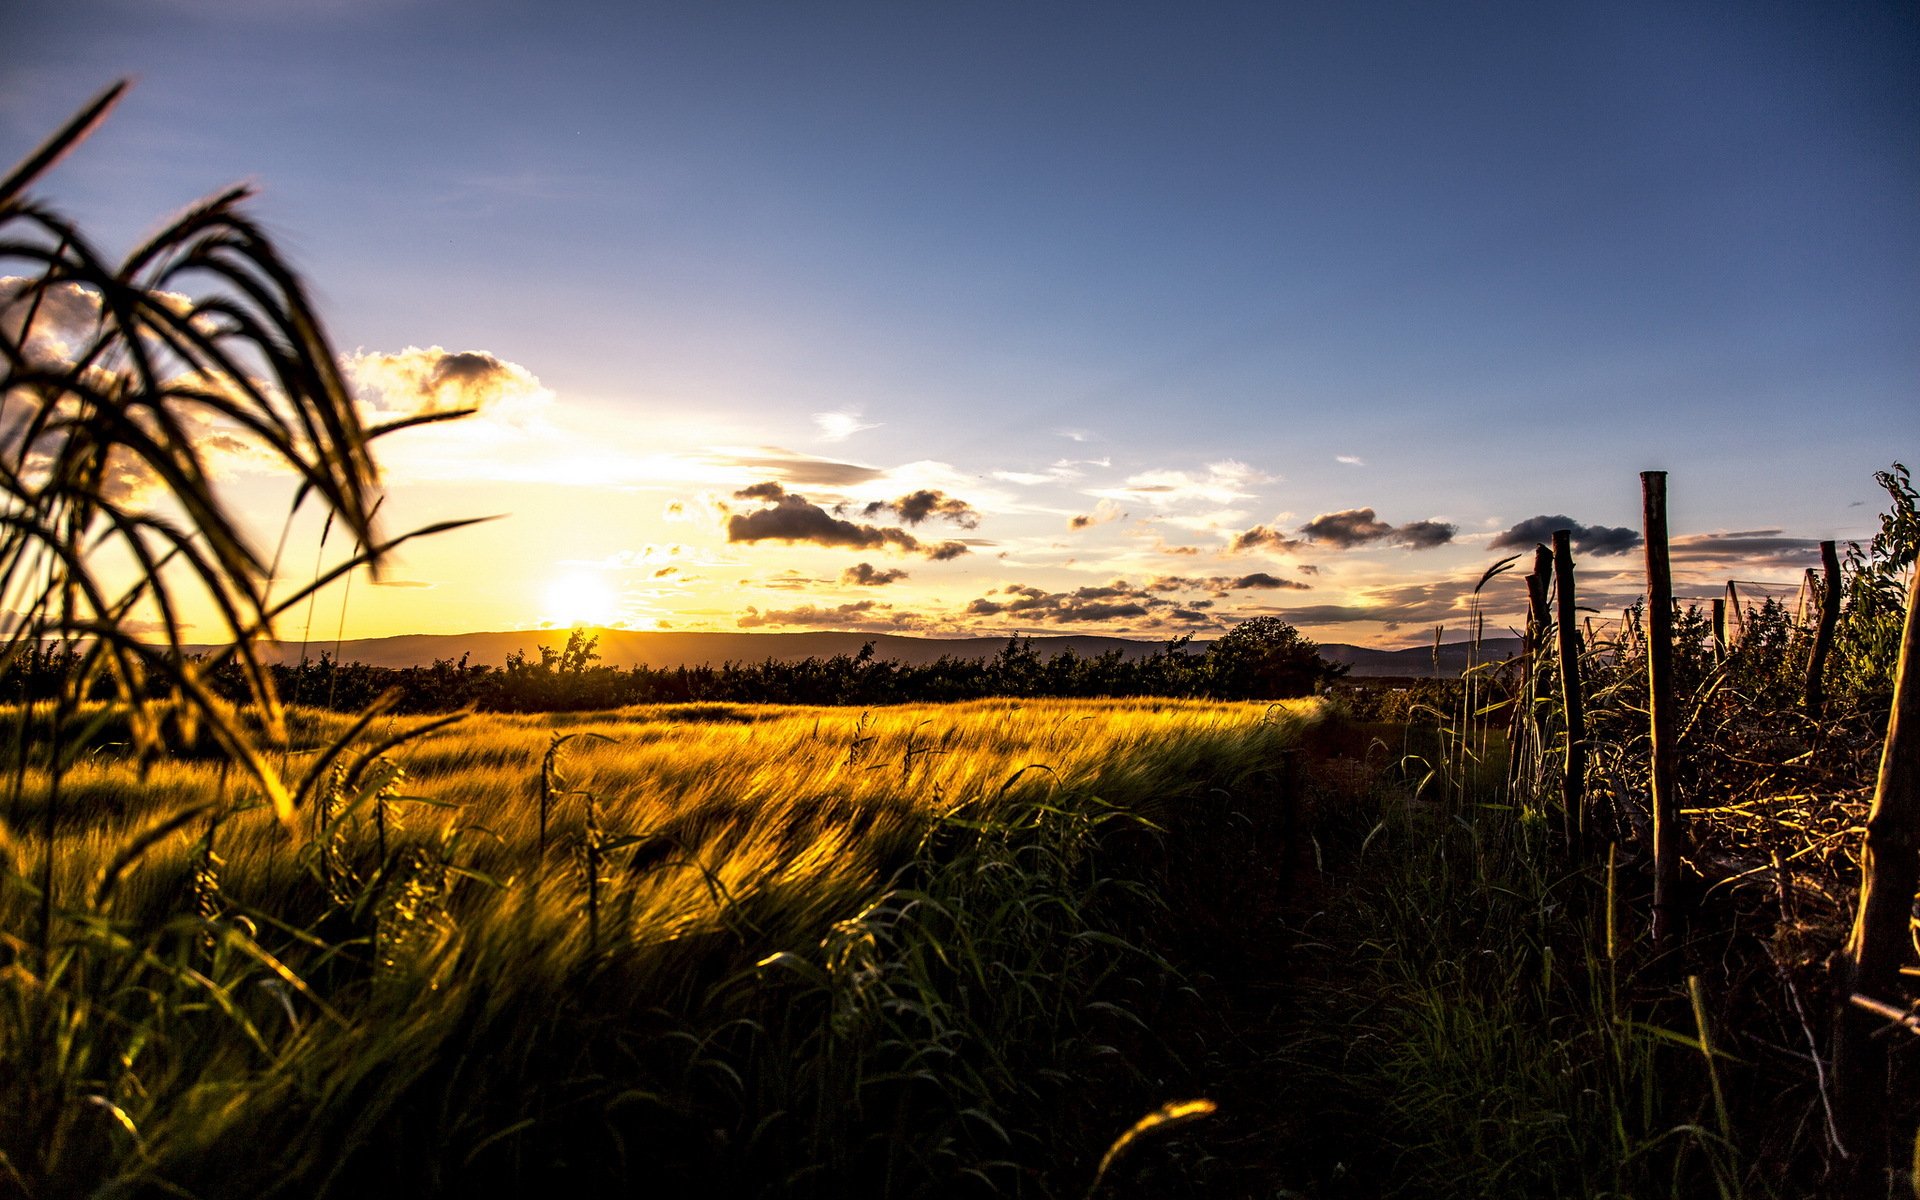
[(582, 598)]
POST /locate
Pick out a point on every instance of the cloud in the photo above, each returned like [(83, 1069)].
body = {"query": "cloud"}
[(1221, 483), (1352, 527), (793, 518), (1102, 512), (867, 575), (1352, 460), (786, 581), (1436, 602), (1262, 538), (64, 315), (1347, 528), (1260, 579), (438, 380), (925, 504), (1220, 585), (839, 426), (859, 615), (1425, 535), (1116, 601), (1597, 540), (1055, 608), (795, 469), (1764, 549)]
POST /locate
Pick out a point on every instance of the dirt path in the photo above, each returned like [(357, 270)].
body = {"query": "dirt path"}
[(1271, 1004)]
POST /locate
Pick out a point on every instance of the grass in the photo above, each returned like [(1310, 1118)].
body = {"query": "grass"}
[(769, 950)]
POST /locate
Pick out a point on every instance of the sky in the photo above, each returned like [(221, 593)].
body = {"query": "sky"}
[(985, 318)]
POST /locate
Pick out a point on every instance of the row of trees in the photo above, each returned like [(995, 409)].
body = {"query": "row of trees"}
[(1262, 659)]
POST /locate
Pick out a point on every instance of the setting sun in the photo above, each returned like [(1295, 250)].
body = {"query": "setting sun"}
[(581, 598)]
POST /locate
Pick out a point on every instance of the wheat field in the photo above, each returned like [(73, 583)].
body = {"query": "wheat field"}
[(542, 943)]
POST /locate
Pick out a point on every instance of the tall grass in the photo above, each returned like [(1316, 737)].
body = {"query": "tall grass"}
[(765, 950), (1506, 1029)]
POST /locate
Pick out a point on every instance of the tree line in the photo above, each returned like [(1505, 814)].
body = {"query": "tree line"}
[(1261, 659)]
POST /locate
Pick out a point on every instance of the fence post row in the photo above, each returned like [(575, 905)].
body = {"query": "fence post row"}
[(1667, 909), (1573, 781)]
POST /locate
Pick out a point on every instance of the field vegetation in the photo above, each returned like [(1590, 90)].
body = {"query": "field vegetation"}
[(769, 950)]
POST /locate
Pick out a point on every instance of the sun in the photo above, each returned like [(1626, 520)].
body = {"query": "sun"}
[(582, 598)]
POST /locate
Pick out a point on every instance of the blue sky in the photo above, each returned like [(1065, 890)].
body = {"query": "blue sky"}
[(1161, 266)]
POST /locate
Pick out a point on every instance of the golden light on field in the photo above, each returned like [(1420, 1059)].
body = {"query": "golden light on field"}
[(581, 598)]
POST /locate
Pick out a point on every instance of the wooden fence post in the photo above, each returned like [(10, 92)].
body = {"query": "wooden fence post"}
[(1524, 743), (1573, 784), (1816, 695), (1889, 875), (1719, 629), (1667, 909)]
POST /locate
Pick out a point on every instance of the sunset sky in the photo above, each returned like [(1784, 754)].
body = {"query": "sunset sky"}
[(990, 317)]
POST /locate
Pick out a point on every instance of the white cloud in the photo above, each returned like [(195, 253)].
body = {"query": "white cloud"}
[(1352, 460), (1220, 484), (439, 380), (839, 426)]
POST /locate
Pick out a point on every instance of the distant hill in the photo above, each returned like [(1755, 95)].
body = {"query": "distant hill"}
[(628, 648), (1417, 662)]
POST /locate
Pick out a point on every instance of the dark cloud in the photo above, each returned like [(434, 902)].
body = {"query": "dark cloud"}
[(1437, 602), (1260, 579), (925, 504), (1219, 585), (1597, 540), (1425, 535), (867, 575), (859, 615), (465, 369), (1347, 528), (1352, 527), (1307, 569), (1763, 549), (793, 518), (1262, 538), (1118, 601)]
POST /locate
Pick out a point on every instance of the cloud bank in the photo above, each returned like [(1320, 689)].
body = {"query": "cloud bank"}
[(790, 517), (1597, 540)]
